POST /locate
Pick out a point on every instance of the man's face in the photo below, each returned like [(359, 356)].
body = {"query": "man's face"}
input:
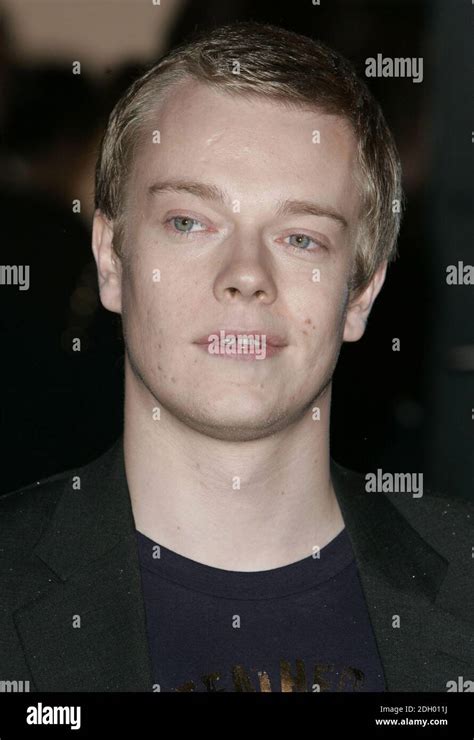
[(237, 265)]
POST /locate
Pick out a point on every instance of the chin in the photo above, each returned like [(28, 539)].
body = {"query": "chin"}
[(225, 424), (230, 431)]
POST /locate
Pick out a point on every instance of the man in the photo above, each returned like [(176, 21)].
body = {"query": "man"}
[(248, 194)]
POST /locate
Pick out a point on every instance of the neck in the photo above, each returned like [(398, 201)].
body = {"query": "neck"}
[(236, 505)]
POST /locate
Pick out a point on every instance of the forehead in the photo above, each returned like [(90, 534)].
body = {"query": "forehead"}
[(249, 145)]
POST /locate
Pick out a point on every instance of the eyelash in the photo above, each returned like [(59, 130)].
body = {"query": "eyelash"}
[(187, 234)]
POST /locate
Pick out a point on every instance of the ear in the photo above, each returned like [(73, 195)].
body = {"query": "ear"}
[(109, 267), (360, 306)]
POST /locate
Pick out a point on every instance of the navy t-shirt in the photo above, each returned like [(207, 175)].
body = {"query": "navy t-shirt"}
[(300, 627)]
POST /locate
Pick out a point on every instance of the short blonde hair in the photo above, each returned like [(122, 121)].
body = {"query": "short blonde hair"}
[(286, 67)]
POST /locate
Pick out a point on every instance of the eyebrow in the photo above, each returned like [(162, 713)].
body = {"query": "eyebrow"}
[(206, 191)]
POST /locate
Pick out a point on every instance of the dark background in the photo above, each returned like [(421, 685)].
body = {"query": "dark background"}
[(407, 411)]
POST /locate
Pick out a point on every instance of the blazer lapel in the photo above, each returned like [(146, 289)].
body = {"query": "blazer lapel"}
[(87, 629), (405, 582)]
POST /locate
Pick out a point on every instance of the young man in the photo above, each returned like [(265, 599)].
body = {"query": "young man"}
[(248, 194)]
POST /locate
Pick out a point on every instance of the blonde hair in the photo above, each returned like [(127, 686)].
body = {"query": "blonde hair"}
[(279, 65)]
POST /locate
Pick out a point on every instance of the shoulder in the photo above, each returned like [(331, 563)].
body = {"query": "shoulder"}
[(26, 510), (445, 522)]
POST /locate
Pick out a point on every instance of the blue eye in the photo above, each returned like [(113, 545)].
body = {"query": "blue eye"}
[(303, 245), (185, 221)]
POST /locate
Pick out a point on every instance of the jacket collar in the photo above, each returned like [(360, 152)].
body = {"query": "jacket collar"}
[(412, 591), (383, 540), (87, 629)]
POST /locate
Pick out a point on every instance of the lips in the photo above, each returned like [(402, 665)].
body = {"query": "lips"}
[(272, 340)]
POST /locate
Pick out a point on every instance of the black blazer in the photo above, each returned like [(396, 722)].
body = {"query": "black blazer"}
[(68, 555)]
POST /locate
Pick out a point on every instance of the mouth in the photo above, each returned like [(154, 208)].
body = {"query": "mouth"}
[(241, 344)]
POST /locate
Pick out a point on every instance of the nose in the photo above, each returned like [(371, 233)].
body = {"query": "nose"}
[(246, 278)]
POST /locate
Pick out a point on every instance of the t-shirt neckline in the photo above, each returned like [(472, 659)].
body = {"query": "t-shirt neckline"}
[(307, 573)]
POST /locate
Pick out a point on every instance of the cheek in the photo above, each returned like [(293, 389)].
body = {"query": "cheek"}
[(156, 315), (139, 310), (308, 327), (320, 321), (319, 307)]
